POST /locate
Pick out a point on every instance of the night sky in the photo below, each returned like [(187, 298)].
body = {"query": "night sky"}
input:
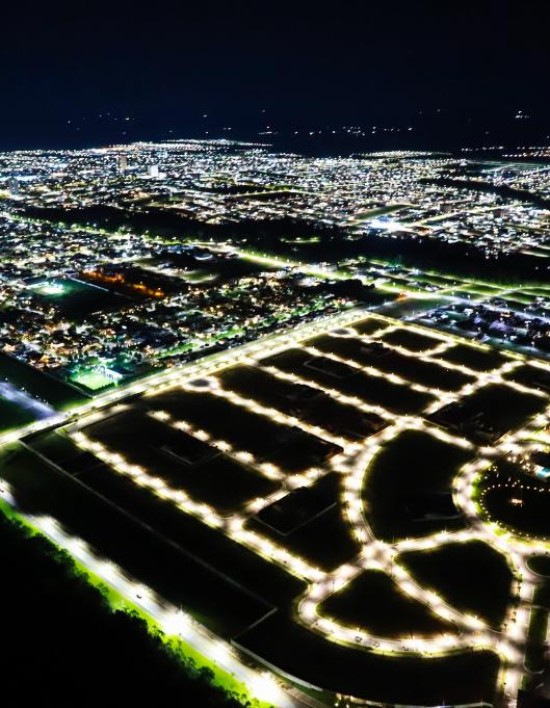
[(118, 71)]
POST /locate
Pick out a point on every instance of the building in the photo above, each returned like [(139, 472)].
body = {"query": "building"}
[(122, 164), (14, 187)]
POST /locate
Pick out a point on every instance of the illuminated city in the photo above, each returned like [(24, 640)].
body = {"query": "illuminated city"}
[(327, 440), (275, 354)]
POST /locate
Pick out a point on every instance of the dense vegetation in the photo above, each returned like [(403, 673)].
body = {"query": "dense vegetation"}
[(66, 645)]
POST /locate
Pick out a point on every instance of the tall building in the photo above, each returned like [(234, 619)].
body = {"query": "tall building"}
[(14, 187), (154, 171), (122, 164)]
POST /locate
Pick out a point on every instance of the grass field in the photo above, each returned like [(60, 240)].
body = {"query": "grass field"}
[(92, 380), (39, 385)]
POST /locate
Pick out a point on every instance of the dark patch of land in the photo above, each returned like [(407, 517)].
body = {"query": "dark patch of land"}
[(531, 376), (488, 413), (413, 341), (540, 565), (473, 577), (473, 358), (369, 326), (385, 359), (181, 461), (309, 522), (304, 402), (415, 470), (63, 633), (460, 678), (373, 602), (288, 447), (350, 381), (221, 267), (13, 415), (535, 651), (182, 559)]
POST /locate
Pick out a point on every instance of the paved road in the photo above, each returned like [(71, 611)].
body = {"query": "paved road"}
[(171, 619), (168, 617), (269, 344)]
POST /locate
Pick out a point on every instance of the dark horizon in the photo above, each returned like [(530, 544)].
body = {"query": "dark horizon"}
[(94, 74)]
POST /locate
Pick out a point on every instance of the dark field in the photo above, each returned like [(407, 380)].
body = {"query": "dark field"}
[(489, 412), (369, 326), (413, 341), (13, 415), (535, 654), (532, 377), (291, 448), (460, 678), (540, 565), (182, 461), (472, 577), (304, 402), (211, 547), (140, 551), (413, 471), (79, 639), (218, 267), (473, 358), (373, 602), (351, 382), (301, 505), (309, 523), (385, 359)]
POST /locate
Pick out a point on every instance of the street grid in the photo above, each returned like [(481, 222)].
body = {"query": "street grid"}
[(352, 459)]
